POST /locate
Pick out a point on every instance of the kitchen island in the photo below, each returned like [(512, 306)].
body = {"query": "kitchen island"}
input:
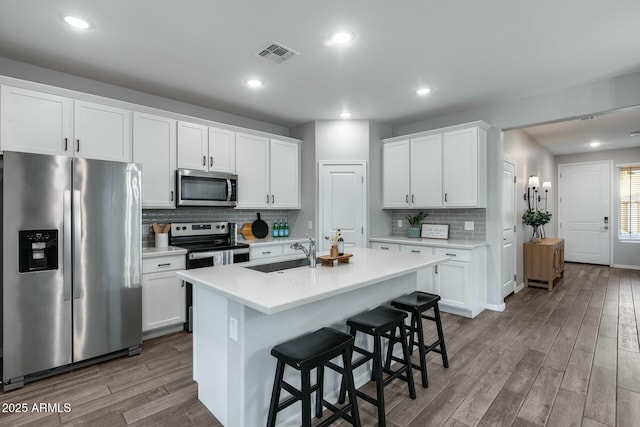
[(240, 314)]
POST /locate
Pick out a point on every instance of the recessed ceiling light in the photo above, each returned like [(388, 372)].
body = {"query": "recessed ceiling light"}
[(76, 22), (342, 37), (423, 91), (595, 144), (254, 83), (345, 115)]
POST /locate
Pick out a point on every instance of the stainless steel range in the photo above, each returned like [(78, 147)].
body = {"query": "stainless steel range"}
[(207, 244)]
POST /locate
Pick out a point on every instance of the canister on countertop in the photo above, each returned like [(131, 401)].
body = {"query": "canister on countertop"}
[(233, 232)]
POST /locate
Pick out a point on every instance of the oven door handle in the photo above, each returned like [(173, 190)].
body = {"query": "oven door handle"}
[(209, 254)]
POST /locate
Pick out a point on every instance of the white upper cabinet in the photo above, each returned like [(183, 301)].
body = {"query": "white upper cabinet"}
[(252, 167), (222, 150), (436, 170), (193, 146), (154, 146), (102, 132), (395, 173), (465, 168), (426, 172), (268, 173), (38, 122), (206, 148), (35, 122), (285, 175)]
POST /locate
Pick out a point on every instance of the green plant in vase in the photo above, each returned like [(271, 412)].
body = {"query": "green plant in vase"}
[(414, 224), (537, 220)]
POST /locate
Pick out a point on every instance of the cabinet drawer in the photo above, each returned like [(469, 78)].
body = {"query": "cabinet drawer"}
[(265, 251), (416, 249), (454, 254), (385, 246), (164, 263)]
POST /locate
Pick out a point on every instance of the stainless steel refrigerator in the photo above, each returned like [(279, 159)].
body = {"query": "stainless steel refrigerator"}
[(71, 263)]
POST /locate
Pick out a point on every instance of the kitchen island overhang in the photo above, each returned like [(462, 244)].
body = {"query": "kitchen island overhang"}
[(240, 314)]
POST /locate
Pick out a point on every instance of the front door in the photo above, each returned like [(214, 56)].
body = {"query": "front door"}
[(342, 201), (585, 211), (508, 259)]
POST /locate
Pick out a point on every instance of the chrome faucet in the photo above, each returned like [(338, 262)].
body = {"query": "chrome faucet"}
[(310, 253)]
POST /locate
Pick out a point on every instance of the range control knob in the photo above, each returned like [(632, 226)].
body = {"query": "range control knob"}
[(184, 227)]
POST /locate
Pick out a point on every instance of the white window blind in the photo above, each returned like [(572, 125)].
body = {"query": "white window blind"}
[(629, 203)]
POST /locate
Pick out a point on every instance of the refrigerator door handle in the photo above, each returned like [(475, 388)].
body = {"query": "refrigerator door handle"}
[(77, 242), (66, 236)]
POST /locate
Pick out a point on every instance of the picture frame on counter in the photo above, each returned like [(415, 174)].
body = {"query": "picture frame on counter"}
[(435, 231)]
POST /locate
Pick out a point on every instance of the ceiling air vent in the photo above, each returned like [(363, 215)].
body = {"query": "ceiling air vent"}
[(277, 52)]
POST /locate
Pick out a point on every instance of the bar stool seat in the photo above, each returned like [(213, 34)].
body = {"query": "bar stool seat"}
[(307, 352), (381, 322), (417, 303)]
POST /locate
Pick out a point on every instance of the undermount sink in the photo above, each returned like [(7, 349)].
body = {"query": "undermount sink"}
[(282, 265)]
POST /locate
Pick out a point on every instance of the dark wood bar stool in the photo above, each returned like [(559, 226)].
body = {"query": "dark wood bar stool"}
[(381, 322), (314, 350), (417, 303)]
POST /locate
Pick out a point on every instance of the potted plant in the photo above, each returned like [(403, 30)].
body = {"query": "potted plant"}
[(537, 220), (414, 224)]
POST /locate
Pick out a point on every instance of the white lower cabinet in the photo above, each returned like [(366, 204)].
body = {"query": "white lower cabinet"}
[(461, 282), (163, 294), (265, 251)]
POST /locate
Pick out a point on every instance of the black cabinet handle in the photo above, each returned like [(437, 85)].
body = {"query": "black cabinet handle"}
[(211, 161), (172, 196), (415, 251), (445, 197), (266, 253), (204, 160), (78, 145), (451, 255), (66, 144), (166, 264), (267, 198), (406, 198), (273, 199), (384, 248), (412, 198)]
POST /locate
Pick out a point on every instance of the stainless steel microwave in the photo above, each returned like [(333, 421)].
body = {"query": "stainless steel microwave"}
[(197, 188)]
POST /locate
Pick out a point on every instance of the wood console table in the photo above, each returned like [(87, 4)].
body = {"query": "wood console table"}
[(543, 262)]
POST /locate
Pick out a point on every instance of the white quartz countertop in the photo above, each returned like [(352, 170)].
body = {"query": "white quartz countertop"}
[(439, 243), (158, 252), (278, 291), (273, 241)]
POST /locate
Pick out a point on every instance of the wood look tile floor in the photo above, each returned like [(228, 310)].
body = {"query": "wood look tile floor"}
[(561, 358)]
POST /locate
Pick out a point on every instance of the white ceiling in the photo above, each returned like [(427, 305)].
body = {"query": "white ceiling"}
[(612, 130), (201, 51)]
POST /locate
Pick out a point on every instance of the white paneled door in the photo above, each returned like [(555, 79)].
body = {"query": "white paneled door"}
[(342, 201), (585, 211), (508, 259)]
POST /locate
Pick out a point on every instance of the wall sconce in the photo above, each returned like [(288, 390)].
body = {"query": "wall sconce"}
[(533, 193), (532, 190), (546, 186)]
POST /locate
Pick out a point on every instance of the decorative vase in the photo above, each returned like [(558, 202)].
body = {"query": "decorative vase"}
[(535, 234), (333, 253), (413, 232)]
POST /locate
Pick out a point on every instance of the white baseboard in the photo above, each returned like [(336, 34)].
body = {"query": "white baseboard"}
[(495, 307), (628, 267), (518, 288)]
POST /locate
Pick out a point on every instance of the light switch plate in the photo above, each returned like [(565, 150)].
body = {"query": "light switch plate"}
[(469, 225), (310, 225), (399, 223)]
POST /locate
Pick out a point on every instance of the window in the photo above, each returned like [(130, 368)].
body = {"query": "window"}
[(629, 203)]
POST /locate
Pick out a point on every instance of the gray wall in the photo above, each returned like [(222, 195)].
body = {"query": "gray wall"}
[(625, 254), (32, 73), (342, 140), (307, 133), (379, 220), (530, 158)]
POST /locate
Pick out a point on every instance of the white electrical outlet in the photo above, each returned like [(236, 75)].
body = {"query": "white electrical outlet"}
[(399, 223), (469, 225), (233, 328), (310, 225)]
